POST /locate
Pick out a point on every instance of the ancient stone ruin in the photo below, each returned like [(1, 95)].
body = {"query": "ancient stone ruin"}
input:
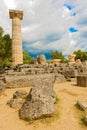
[(72, 58), (17, 54), (41, 76), (30, 74), (18, 98), (41, 59), (40, 101)]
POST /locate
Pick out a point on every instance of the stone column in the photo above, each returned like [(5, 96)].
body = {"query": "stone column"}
[(17, 54), (72, 58)]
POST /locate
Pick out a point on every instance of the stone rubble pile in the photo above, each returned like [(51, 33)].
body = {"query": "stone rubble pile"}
[(18, 98), (29, 74)]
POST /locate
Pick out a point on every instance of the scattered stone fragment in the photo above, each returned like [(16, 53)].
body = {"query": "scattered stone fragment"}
[(18, 99), (59, 78), (37, 108), (15, 103), (41, 59), (82, 105), (20, 94)]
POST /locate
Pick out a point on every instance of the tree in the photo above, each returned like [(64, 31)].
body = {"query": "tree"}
[(26, 58), (1, 32), (82, 55), (6, 50), (58, 55)]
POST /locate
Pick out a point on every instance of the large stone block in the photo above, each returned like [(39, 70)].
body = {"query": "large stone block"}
[(82, 80), (27, 80), (39, 103)]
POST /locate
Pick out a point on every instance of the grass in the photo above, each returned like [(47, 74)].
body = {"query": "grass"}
[(48, 120), (57, 100), (83, 122)]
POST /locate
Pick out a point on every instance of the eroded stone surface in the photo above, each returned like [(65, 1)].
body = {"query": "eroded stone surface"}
[(18, 98), (40, 102), (2, 88)]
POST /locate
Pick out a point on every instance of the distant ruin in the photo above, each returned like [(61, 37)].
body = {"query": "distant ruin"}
[(17, 54)]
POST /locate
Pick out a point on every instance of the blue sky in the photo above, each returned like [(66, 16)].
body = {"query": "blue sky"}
[(49, 25)]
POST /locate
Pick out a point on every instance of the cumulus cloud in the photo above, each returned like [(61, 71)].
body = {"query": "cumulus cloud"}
[(46, 24)]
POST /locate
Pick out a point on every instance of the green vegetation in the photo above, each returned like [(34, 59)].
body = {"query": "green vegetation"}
[(48, 120), (82, 55), (83, 122), (26, 58), (57, 100), (6, 50), (58, 55)]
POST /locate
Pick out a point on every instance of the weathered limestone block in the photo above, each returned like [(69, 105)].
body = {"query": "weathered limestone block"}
[(27, 80), (82, 80), (41, 59), (15, 103), (55, 61), (38, 108), (15, 73), (82, 105), (40, 102), (20, 94), (59, 78), (18, 99), (70, 73)]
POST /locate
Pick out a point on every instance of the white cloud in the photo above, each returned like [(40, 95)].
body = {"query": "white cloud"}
[(11, 4), (43, 18), (66, 12)]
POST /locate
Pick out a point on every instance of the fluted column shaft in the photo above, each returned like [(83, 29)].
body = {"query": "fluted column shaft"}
[(17, 54)]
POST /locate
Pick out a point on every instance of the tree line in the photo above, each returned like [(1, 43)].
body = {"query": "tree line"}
[(82, 55)]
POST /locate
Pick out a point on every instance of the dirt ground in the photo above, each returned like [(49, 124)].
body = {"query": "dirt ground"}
[(69, 116)]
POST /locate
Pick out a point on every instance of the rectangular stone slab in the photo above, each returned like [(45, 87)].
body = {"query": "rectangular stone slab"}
[(82, 80)]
